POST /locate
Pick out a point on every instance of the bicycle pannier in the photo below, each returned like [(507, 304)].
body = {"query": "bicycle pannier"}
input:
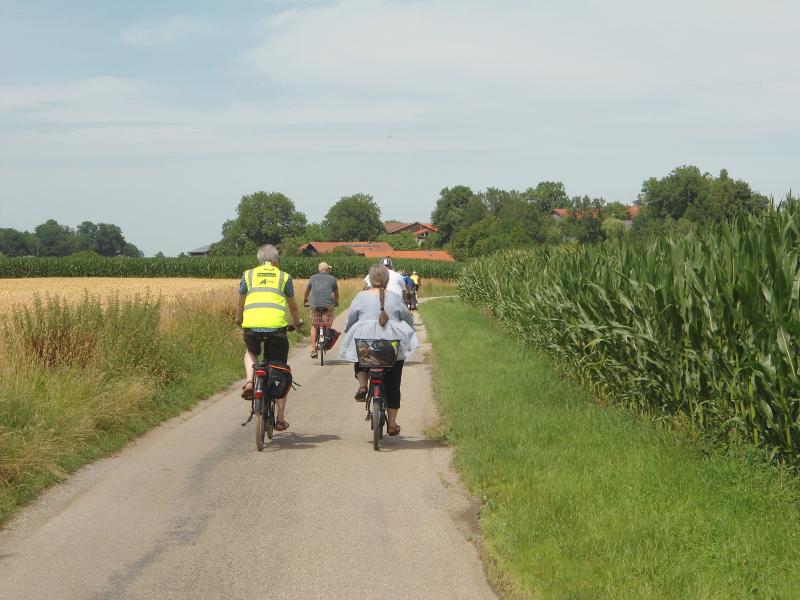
[(279, 380), (331, 335)]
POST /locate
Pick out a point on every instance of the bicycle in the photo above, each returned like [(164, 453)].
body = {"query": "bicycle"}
[(264, 403), (379, 356), (322, 334)]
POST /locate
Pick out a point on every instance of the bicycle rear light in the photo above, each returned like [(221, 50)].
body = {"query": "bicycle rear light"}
[(261, 373), (259, 394)]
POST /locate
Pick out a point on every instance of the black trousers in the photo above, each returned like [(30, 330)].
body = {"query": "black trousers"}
[(391, 382)]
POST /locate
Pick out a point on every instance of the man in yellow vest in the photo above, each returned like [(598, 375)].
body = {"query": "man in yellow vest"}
[(264, 295)]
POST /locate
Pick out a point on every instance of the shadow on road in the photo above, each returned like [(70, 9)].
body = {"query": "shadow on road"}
[(400, 443), (296, 441)]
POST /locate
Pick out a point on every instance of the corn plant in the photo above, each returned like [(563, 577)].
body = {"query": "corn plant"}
[(705, 324)]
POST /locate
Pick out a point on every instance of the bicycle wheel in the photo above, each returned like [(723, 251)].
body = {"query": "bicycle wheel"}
[(269, 417), (261, 423), (377, 423), (321, 346)]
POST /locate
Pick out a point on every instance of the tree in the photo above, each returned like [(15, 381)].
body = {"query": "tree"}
[(354, 218), (261, 218), (548, 195), (449, 210), (16, 243), (53, 239), (400, 241)]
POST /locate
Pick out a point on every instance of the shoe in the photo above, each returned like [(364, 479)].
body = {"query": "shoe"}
[(314, 354), (361, 395), (395, 431), (281, 425)]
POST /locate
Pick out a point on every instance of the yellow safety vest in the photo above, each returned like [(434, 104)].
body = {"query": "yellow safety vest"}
[(265, 304)]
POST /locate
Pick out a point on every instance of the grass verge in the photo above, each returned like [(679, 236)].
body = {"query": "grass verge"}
[(581, 501)]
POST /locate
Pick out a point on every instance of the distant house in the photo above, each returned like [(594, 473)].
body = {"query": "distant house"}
[(421, 231), (375, 250), (312, 248), (201, 251)]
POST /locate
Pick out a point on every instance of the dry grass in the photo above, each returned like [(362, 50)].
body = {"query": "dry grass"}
[(72, 289)]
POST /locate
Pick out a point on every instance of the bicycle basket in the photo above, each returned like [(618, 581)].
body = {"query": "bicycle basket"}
[(376, 353)]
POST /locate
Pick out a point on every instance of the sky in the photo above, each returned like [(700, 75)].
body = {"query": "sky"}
[(160, 116)]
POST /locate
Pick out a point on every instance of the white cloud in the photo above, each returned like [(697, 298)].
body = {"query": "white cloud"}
[(171, 31), (462, 55)]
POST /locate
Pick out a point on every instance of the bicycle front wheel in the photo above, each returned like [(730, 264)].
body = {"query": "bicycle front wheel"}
[(377, 423)]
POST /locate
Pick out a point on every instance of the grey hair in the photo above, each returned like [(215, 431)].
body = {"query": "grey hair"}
[(268, 253), (378, 276)]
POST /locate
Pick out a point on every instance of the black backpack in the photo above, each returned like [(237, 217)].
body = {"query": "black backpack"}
[(279, 380)]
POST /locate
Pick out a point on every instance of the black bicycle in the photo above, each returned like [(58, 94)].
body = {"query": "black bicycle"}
[(322, 334), (379, 357), (263, 407)]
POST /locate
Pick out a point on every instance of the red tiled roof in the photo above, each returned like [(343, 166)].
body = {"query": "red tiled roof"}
[(633, 211), (358, 247), (398, 227), (395, 227), (562, 212), (414, 255)]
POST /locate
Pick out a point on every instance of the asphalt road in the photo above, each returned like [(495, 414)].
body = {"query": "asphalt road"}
[(192, 510)]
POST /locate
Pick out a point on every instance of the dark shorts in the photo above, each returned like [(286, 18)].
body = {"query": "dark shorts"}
[(276, 345), (391, 383)]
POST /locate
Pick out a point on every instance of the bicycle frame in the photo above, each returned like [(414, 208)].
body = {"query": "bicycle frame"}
[(376, 404)]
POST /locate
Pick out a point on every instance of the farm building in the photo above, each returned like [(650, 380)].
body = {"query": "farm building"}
[(420, 230), (375, 250)]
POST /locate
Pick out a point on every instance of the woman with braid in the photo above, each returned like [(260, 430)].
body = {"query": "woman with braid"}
[(376, 314)]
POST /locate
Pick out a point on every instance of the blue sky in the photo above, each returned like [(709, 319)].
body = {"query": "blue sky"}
[(159, 116)]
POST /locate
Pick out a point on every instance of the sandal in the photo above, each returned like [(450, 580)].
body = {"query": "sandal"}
[(361, 395), (393, 432), (247, 390), (281, 425)]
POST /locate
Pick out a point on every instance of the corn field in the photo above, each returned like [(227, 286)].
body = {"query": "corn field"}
[(704, 324), (204, 267)]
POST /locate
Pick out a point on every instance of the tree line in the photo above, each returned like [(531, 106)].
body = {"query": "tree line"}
[(469, 223), (54, 239), (478, 223)]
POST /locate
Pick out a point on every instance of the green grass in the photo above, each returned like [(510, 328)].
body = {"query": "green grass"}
[(78, 382), (581, 501)]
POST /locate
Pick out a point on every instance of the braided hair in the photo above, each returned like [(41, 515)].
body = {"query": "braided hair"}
[(379, 277)]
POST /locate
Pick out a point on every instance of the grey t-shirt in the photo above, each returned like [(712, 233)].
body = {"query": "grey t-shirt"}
[(322, 286)]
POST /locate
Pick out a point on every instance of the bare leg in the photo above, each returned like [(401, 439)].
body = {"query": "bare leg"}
[(391, 417), (281, 408), (313, 338), (362, 377), (249, 361)]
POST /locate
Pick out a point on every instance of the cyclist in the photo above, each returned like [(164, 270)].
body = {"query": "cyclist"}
[(264, 295), (415, 279), (377, 314), (322, 291), (396, 283)]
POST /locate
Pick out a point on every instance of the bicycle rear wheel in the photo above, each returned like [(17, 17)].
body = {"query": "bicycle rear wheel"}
[(269, 417), (261, 423), (377, 423)]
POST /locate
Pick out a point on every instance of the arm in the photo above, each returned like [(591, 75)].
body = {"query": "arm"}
[(403, 314), (352, 314), (292, 303), (307, 292), (336, 297), (240, 309)]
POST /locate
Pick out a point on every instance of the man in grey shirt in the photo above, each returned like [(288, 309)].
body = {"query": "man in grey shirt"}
[(322, 294)]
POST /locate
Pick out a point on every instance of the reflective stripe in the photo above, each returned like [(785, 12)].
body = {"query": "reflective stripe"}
[(264, 305), (280, 281), (250, 279), (266, 289)]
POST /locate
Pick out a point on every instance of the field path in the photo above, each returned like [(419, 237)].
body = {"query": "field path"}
[(192, 510)]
